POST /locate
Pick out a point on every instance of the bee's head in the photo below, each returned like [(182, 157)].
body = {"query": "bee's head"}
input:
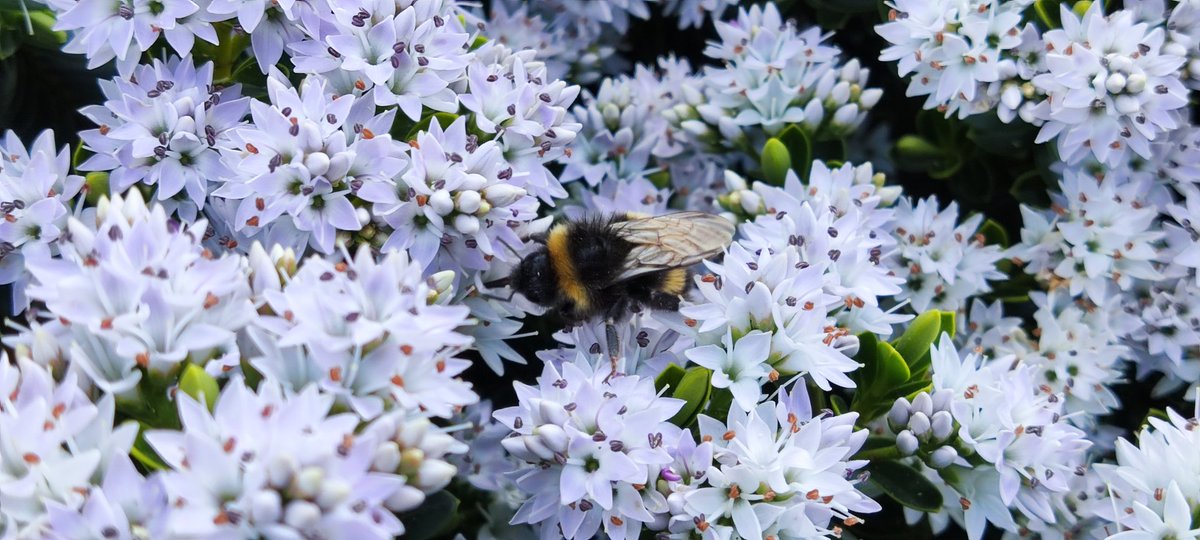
[(534, 278)]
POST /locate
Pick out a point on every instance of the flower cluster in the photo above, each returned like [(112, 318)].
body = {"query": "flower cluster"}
[(963, 56), (161, 127), (36, 192), (595, 442), (777, 471), (135, 294), (364, 331), (774, 75), (943, 262)]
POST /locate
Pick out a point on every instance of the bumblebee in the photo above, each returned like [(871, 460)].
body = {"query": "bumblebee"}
[(612, 265)]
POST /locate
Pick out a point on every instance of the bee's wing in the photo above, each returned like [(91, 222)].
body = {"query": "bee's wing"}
[(671, 241)]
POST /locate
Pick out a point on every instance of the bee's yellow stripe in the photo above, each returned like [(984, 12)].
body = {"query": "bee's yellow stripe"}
[(674, 281), (568, 278)]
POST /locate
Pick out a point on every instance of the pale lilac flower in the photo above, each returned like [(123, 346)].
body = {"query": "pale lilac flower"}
[(363, 331), (140, 284), (36, 192), (741, 365), (162, 127), (591, 436), (54, 444), (270, 462), (105, 30), (1110, 87)]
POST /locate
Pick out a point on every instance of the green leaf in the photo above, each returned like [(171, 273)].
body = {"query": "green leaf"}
[(911, 388), (919, 336), (904, 484), (694, 390), (144, 454), (893, 370), (838, 404), (1047, 12), (868, 344), (994, 233), (799, 148), (949, 319), (444, 119), (775, 162), (432, 518), (199, 384), (661, 179), (97, 186), (670, 376), (718, 403)]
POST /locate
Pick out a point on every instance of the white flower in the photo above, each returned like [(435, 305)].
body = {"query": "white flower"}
[(590, 436), (269, 461), (140, 287), (1175, 522), (737, 365), (36, 189), (54, 444), (1110, 86), (363, 330)]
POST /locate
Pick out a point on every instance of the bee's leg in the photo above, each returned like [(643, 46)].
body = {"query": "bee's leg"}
[(614, 344)]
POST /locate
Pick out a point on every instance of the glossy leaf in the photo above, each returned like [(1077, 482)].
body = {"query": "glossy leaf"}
[(904, 484), (893, 370), (919, 336), (433, 518), (694, 389), (994, 233), (670, 376)]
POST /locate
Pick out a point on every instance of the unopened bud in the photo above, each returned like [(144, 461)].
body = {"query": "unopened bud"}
[(907, 443), (943, 457), (942, 425)]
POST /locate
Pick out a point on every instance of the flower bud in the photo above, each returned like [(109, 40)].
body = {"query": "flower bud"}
[(553, 437), (941, 424), (1011, 96), (841, 93), (404, 499), (467, 202), (387, 457), (870, 97), (846, 115), (923, 403), (751, 202), (943, 457), (317, 163), (308, 482), (515, 446), (434, 474), (279, 471), (1115, 83), (552, 412), (466, 224), (850, 70), (1127, 104), (1175, 49), (907, 443), (332, 493), (441, 202), (339, 165), (263, 275), (734, 181), (1120, 63), (919, 423), (266, 507), (898, 415), (302, 515), (503, 194), (363, 216), (185, 124), (472, 182)]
